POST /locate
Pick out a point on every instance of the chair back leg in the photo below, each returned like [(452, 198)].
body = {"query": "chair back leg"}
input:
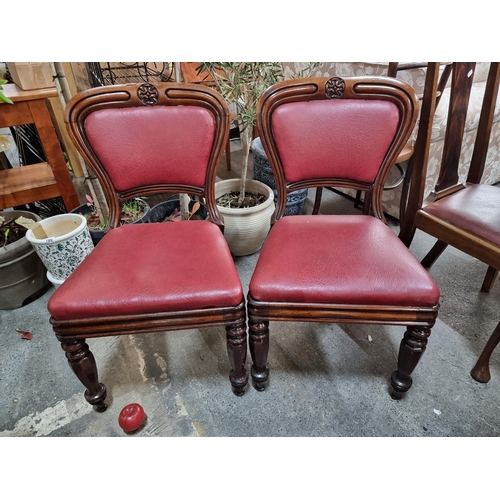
[(481, 371)]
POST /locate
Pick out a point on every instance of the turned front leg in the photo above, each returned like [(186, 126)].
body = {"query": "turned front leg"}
[(259, 349), (410, 351), (237, 351), (82, 362)]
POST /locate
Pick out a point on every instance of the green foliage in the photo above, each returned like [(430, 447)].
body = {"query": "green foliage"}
[(3, 97), (132, 210), (241, 84)]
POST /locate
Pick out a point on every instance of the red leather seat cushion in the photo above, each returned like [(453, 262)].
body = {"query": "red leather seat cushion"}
[(475, 209), (151, 268), (339, 259)]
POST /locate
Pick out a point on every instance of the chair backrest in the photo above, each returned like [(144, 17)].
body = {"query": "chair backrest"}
[(448, 179), (143, 139), (342, 132), (395, 67)]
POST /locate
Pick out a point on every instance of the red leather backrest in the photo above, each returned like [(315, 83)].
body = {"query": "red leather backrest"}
[(344, 138), (152, 145)]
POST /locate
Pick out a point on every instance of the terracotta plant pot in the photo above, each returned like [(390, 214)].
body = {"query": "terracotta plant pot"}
[(263, 172), (246, 229)]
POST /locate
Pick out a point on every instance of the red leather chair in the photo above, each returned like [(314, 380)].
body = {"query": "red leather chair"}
[(348, 132), (141, 139)]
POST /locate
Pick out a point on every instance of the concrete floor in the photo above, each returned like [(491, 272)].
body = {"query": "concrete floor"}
[(326, 379)]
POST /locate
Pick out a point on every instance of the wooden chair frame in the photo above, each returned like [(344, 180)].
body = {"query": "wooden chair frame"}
[(73, 333), (448, 184), (418, 320)]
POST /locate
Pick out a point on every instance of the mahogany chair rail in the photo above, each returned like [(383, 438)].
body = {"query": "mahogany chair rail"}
[(142, 139), (344, 132)]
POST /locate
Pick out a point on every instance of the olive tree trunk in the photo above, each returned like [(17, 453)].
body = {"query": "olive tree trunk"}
[(246, 139)]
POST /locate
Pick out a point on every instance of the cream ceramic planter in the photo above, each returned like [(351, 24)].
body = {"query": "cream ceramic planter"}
[(68, 242), (246, 229)]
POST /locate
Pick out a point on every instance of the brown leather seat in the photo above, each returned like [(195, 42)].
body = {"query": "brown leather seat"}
[(482, 214)]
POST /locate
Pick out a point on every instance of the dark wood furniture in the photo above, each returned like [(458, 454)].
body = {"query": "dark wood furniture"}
[(40, 181), (466, 214), (142, 139), (481, 370), (321, 132), (444, 70)]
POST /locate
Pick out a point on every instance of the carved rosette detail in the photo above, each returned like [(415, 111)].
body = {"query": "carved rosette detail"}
[(335, 87), (148, 94)]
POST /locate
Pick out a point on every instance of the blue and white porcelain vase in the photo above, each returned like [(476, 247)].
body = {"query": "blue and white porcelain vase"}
[(67, 244)]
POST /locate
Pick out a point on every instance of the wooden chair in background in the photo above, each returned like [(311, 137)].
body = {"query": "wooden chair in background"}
[(466, 214)]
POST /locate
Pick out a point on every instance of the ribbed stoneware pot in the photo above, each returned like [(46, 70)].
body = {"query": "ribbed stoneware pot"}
[(68, 242), (263, 172), (246, 229)]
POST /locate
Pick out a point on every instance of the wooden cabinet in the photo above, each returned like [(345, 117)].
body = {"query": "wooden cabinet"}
[(50, 179)]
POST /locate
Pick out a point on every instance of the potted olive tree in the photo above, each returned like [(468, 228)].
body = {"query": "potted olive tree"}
[(246, 204)]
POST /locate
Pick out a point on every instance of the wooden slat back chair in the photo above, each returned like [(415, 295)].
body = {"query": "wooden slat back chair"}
[(461, 214), (143, 139), (431, 92), (437, 76), (338, 268), (466, 214)]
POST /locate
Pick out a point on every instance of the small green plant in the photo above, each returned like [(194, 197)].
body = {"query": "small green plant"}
[(94, 220), (3, 97), (10, 231), (132, 210)]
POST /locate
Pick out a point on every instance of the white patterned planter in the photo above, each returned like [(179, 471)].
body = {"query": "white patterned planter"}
[(68, 242)]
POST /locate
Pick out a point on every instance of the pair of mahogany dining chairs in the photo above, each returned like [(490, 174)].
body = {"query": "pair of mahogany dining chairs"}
[(143, 139)]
